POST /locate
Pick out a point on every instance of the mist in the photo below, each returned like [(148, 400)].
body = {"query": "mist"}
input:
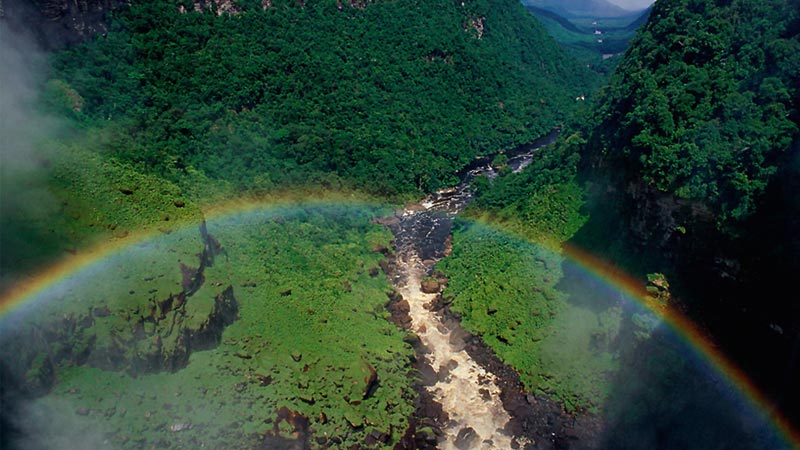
[(25, 198), (46, 426), (22, 72)]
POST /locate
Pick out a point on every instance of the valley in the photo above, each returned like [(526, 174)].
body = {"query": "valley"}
[(324, 224)]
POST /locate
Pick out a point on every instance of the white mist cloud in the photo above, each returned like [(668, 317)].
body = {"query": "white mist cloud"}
[(24, 194), (56, 426), (21, 127)]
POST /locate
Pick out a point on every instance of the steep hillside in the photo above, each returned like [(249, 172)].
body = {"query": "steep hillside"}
[(287, 92), (696, 146)]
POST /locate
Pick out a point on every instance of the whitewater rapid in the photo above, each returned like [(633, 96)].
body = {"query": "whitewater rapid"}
[(468, 393)]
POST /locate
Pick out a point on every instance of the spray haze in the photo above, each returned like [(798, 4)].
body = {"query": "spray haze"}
[(632, 5), (26, 202), (22, 127)]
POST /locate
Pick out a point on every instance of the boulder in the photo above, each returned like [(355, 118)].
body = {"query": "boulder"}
[(376, 437), (430, 286), (467, 438), (399, 308)]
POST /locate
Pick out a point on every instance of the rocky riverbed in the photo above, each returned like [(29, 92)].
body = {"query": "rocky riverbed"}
[(468, 397)]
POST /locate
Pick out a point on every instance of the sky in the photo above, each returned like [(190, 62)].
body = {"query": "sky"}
[(632, 5)]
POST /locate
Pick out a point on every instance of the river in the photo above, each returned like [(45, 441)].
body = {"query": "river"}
[(469, 395)]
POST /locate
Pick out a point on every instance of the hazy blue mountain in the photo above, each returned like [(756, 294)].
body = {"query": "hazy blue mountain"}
[(593, 40), (580, 8)]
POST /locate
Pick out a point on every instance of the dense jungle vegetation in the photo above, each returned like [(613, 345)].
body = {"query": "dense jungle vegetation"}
[(319, 94), (686, 166), (693, 149), (683, 167), (705, 103), (173, 113)]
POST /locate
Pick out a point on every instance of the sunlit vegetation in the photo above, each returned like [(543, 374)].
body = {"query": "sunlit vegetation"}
[(310, 335), (508, 291), (542, 202), (291, 94), (507, 281)]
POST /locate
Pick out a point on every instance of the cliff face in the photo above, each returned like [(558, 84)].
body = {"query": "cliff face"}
[(155, 327), (56, 23), (695, 142)]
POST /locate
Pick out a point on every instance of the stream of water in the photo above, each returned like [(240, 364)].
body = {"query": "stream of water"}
[(468, 394)]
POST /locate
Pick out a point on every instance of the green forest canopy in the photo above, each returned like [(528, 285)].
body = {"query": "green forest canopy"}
[(705, 102), (290, 94)]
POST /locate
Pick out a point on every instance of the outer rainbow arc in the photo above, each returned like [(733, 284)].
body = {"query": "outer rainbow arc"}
[(29, 289)]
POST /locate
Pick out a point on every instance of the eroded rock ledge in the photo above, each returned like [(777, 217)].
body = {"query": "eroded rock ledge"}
[(57, 23)]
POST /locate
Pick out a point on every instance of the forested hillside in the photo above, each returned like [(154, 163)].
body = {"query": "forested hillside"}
[(268, 328), (262, 97), (217, 180), (692, 163), (687, 166), (294, 92), (704, 104)]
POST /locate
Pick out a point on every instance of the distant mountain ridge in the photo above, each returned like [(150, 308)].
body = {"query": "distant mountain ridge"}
[(542, 12), (591, 39), (580, 8)]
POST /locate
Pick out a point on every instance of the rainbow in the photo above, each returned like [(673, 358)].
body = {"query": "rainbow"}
[(30, 287), (33, 287), (687, 330)]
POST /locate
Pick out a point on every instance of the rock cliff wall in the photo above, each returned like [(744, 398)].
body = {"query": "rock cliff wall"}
[(56, 23)]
